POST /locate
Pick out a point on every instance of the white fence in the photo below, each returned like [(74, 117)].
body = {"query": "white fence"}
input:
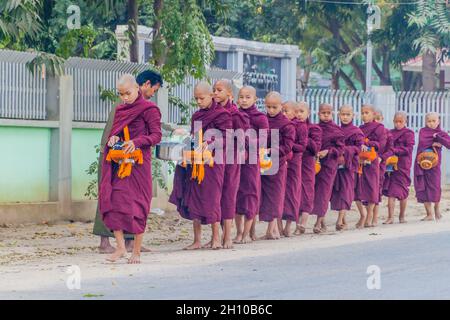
[(22, 93)]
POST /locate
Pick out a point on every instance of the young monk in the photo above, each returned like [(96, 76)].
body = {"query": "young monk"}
[(344, 184), (385, 153), (368, 182), (273, 186), (124, 199), (249, 193), (223, 95), (294, 168), (308, 167), (332, 148), (396, 184), (200, 202), (427, 183)]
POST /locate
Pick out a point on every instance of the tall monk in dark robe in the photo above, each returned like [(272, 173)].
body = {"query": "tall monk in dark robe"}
[(367, 189), (385, 153), (332, 148), (195, 200), (397, 182), (308, 168), (235, 156), (149, 83), (293, 194), (124, 199), (249, 193), (427, 183), (273, 185), (344, 183)]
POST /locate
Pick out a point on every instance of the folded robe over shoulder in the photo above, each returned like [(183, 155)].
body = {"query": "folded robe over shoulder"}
[(125, 203), (344, 183), (232, 175), (396, 184), (293, 194), (368, 184), (427, 183), (273, 187), (249, 193), (308, 167), (202, 201), (333, 141)]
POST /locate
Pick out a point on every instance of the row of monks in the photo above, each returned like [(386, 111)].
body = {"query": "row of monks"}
[(321, 167)]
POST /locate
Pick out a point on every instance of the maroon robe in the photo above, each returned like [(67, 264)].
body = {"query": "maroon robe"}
[(427, 183), (202, 201), (293, 193), (233, 171), (273, 186), (333, 141), (344, 183), (125, 203), (368, 183), (249, 193), (308, 167), (396, 184), (387, 151)]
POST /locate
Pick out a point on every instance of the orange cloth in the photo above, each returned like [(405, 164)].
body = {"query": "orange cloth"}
[(125, 160), (198, 158)]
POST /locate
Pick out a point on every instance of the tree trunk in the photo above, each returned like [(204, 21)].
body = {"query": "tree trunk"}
[(335, 80), (157, 48), (132, 9), (429, 71)]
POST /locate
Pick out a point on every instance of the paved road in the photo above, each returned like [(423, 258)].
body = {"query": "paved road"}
[(411, 268)]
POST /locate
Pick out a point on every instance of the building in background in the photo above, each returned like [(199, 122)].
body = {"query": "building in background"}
[(266, 66)]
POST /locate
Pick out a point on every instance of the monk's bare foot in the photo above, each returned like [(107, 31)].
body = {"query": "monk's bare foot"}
[(246, 239), (339, 227), (268, 236), (438, 216), (118, 254), (427, 218), (129, 244), (106, 249), (135, 259), (215, 245), (207, 246), (194, 246), (389, 221), (238, 239), (287, 233), (300, 230), (403, 221), (227, 244), (317, 230)]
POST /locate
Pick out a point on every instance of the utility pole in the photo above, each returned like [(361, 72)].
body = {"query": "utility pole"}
[(373, 23)]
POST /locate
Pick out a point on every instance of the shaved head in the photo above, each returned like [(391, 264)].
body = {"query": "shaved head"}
[(227, 84), (368, 106), (291, 105), (203, 87), (248, 89), (273, 95), (431, 115), (304, 105), (126, 80), (325, 106), (401, 114), (346, 107)]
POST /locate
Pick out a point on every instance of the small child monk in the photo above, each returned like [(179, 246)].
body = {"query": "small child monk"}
[(368, 181), (223, 95), (396, 183), (200, 202), (294, 168), (427, 183), (308, 167), (332, 148), (273, 186), (249, 193), (344, 183)]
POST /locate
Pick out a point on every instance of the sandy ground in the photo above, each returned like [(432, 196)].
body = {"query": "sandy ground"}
[(34, 258)]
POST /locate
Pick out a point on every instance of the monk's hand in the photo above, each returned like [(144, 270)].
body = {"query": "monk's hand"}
[(364, 148), (322, 154), (435, 135), (112, 141), (437, 145), (128, 146)]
